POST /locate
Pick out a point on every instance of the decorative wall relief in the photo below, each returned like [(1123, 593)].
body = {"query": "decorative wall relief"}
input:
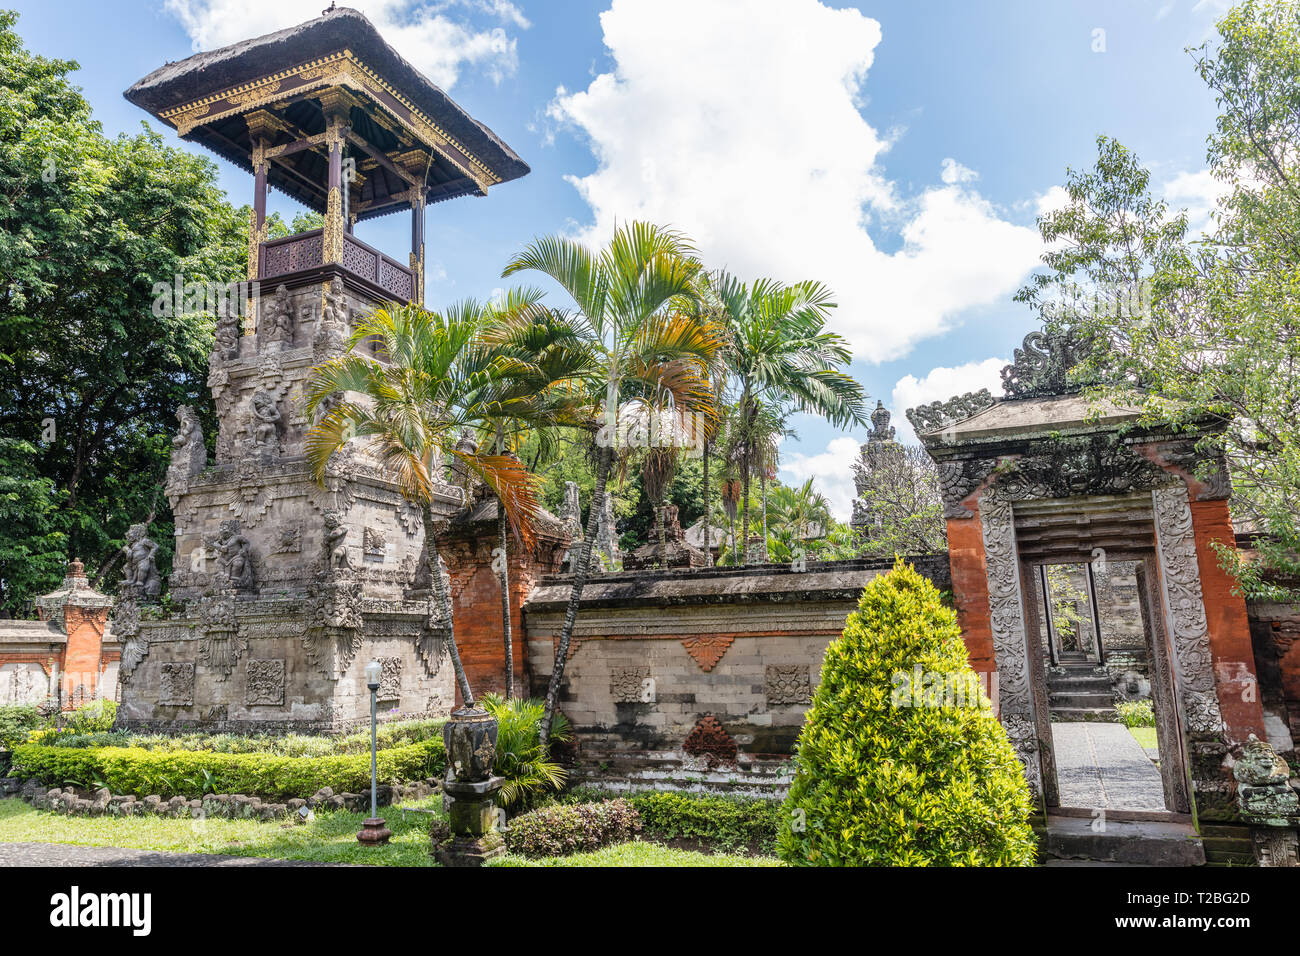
[(251, 497), (936, 415), (627, 684), (176, 684), (277, 319), (1185, 609), (374, 542), (221, 643), (264, 683), (787, 684), (958, 478), (126, 628), (288, 539), (234, 558), (140, 578), (264, 425), (709, 740), (390, 681), (1006, 618), (707, 650), (335, 543), (189, 456)]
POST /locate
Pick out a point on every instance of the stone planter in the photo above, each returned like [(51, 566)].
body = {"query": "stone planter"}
[(470, 737)]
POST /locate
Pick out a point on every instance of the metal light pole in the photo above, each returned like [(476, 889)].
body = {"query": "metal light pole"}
[(373, 831)]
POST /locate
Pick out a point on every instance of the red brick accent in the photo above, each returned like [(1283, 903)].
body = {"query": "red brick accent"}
[(707, 651), (476, 601), (970, 589), (710, 740), (1229, 625), (83, 655)]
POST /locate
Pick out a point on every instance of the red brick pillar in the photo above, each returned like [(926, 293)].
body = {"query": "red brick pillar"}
[(1235, 680), (467, 547), (970, 589), (83, 614)]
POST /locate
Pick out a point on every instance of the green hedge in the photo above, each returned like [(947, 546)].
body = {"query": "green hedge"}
[(715, 820), (191, 774)]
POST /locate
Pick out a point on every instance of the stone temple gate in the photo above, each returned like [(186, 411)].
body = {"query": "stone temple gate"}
[(1044, 475)]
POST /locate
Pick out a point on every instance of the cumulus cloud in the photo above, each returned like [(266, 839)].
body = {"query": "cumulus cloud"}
[(833, 471), (1199, 193), (766, 161), (939, 385), (440, 37)]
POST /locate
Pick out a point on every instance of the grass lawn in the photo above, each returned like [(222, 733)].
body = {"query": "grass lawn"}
[(331, 837), (1146, 736), (640, 854)]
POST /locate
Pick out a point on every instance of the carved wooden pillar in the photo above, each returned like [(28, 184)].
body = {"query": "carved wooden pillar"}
[(417, 242), (332, 237)]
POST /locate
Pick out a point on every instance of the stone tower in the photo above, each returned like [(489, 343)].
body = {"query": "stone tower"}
[(880, 445), (283, 588)]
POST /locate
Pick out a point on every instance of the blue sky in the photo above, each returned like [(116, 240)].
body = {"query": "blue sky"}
[(898, 151)]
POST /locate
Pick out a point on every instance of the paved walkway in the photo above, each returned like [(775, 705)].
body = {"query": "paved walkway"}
[(1102, 766), (66, 854)]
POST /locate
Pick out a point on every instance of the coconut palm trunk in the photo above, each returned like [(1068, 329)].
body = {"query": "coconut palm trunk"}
[(503, 555), (604, 460), (708, 511), (762, 487), (444, 605), (663, 535)]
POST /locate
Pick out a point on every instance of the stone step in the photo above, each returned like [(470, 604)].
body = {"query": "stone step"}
[(1086, 701), (1080, 680), (1154, 843), (1104, 715)]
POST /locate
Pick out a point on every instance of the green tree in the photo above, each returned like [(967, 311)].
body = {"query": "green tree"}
[(33, 549), (633, 306), (779, 355), (92, 374), (892, 770), (1206, 328), (428, 379), (898, 509)]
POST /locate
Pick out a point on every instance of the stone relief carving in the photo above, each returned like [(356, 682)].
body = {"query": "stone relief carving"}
[(335, 543), (1006, 619), (786, 684), (1092, 465), (264, 683), (1188, 631), (176, 684), (390, 680), (332, 329), (606, 544), (140, 579), (189, 456), (374, 543), (228, 331), (277, 318), (126, 628), (288, 539), (431, 646), (958, 478), (221, 642), (332, 649), (710, 741), (234, 558), (936, 415), (264, 424), (627, 684), (251, 497), (1041, 366)]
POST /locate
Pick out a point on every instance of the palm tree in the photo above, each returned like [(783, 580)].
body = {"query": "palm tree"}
[(778, 349), (632, 303), (541, 362), (428, 380)]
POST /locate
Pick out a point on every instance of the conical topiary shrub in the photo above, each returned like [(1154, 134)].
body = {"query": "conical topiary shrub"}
[(900, 761)]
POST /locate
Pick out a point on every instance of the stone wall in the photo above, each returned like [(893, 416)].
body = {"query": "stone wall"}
[(1275, 636), (696, 678)]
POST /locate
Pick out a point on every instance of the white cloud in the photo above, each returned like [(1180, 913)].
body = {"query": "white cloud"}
[(954, 172), (1199, 194), (832, 471), (436, 37), (939, 385), (766, 161)]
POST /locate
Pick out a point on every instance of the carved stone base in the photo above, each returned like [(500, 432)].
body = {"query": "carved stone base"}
[(470, 851), (472, 815), (1276, 846), (374, 832)]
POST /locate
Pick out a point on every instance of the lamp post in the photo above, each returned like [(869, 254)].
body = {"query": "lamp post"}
[(373, 831)]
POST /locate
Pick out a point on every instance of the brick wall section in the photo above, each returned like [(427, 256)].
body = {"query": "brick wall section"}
[(657, 656), (476, 599), (1229, 626), (970, 589), (1275, 637), (83, 658)]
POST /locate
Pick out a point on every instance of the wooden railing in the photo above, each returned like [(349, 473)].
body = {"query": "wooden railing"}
[(305, 251)]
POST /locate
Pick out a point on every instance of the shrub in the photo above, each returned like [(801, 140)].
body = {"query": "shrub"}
[(564, 828), (527, 768), (191, 774), (94, 718), (878, 782), (16, 722), (715, 820), (1136, 713)]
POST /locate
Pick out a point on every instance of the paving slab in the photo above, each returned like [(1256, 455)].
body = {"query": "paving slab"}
[(67, 854), (1102, 766)]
